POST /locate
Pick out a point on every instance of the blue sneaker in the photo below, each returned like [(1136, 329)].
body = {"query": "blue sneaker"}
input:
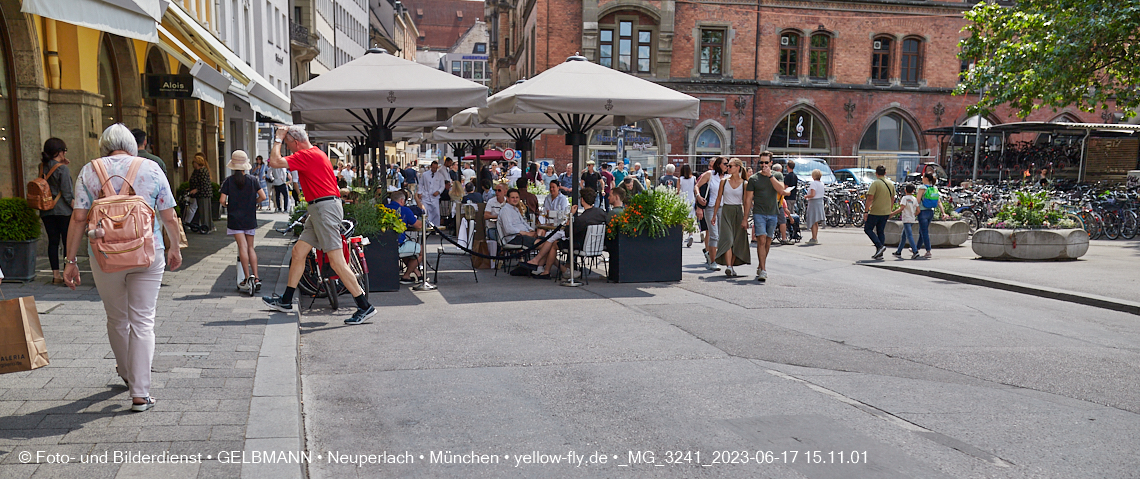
[(275, 303), (361, 315)]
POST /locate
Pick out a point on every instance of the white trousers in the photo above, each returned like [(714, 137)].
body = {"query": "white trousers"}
[(431, 209), (129, 298)]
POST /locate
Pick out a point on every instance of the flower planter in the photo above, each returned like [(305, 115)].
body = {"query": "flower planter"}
[(943, 234), (1033, 245), (641, 259), (383, 257), (18, 260)]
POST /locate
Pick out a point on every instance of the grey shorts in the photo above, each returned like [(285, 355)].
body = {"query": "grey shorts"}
[(713, 231), (322, 228)]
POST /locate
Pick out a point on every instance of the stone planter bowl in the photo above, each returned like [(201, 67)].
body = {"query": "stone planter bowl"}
[(1033, 245), (943, 234)]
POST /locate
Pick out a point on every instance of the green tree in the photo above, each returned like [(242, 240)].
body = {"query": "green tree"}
[(1054, 53)]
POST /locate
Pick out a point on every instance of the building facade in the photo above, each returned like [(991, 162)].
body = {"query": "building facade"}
[(852, 81), (468, 57)]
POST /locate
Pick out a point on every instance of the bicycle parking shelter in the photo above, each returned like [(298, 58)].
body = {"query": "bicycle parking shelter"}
[(1107, 151)]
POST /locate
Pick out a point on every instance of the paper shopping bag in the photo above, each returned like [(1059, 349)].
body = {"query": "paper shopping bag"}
[(22, 346)]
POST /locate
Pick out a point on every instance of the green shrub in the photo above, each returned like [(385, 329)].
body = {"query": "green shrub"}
[(18, 221)]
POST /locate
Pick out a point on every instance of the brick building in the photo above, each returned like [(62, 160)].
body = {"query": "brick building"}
[(856, 81)]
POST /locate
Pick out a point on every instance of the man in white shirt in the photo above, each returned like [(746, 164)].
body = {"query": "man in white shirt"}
[(514, 173), (491, 212), (468, 173), (432, 184), (348, 175), (278, 178)]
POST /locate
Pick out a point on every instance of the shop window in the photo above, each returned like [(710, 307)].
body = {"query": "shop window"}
[(881, 60), (910, 61), (819, 56), (457, 68), (478, 70), (789, 54), (712, 52), (467, 70), (709, 144), (889, 133), (799, 131)]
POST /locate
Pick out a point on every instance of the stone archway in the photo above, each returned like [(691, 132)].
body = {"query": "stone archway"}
[(30, 117), (130, 82)]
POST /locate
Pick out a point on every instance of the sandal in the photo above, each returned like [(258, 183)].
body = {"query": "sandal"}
[(144, 406)]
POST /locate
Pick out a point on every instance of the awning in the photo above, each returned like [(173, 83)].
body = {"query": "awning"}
[(129, 18), (263, 96), (209, 85)]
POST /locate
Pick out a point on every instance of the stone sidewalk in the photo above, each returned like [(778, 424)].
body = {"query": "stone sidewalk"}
[(208, 341)]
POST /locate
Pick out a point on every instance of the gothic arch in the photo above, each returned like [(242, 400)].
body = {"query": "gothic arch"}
[(815, 112), (635, 5), (725, 136), (130, 82), (1067, 117), (906, 117)]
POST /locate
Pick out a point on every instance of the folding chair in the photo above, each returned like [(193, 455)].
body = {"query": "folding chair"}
[(467, 230), (592, 251)]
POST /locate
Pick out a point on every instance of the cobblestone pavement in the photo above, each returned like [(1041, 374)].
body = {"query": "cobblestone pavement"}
[(208, 339)]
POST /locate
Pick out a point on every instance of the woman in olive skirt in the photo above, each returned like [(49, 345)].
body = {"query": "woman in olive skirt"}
[(728, 217)]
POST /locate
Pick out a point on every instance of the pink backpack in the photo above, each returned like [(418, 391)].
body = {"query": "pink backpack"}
[(120, 227)]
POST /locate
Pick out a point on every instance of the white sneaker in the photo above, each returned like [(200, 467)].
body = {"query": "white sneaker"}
[(729, 272), (712, 266), (762, 276)]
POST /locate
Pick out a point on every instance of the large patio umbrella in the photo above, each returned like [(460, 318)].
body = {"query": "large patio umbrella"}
[(576, 96), (378, 92), (522, 134)]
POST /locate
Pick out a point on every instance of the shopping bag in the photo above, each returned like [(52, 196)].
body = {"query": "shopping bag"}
[(481, 263), (182, 241), (22, 346)]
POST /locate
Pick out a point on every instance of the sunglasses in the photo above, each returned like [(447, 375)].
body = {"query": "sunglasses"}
[(765, 162)]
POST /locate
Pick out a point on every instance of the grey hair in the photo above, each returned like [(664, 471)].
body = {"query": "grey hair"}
[(118, 137), (670, 168), (777, 167), (398, 195), (297, 133)]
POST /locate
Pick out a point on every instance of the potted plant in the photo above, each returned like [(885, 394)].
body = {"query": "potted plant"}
[(19, 229), (1030, 228), (644, 241), (382, 226)]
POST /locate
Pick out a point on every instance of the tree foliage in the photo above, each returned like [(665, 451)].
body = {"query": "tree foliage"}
[(1054, 53)]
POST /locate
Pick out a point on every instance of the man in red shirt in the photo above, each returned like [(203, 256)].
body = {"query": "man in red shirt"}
[(322, 228)]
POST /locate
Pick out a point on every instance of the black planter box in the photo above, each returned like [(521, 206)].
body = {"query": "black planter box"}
[(383, 257), (18, 260), (641, 259)]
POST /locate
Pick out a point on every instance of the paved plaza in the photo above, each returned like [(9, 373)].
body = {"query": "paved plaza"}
[(836, 368)]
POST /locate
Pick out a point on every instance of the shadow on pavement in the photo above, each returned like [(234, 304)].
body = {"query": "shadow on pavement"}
[(68, 416)]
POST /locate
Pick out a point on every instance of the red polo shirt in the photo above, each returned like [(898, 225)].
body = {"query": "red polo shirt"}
[(314, 171)]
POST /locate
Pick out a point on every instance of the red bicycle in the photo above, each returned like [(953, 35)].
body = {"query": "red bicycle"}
[(319, 279)]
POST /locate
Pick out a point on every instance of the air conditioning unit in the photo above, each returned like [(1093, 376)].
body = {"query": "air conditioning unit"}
[(878, 45), (784, 41)]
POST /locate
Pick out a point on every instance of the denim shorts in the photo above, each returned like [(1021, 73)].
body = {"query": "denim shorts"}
[(764, 225)]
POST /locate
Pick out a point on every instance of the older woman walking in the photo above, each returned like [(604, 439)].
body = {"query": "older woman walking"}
[(728, 217), (53, 168), (130, 296), (815, 213), (202, 191)]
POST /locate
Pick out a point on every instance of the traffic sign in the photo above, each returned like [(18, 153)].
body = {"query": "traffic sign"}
[(509, 154)]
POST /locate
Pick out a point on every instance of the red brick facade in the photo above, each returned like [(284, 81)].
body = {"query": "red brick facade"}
[(745, 102)]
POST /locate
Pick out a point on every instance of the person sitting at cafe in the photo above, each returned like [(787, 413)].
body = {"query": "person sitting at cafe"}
[(547, 256), (472, 196), (617, 202), (555, 201), (410, 251), (512, 226), (528, 199), (491, 212)]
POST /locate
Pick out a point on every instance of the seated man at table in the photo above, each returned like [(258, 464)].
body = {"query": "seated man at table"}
[(512, 226), (491, 212), (472, 196), (410, 251), (548, 255)]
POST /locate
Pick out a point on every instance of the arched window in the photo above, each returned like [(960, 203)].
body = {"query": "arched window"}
[(910, 62), (889, 133), (819, 56), (789, 54), (109, 84), (709, 144), (799, 131), (881, 60)]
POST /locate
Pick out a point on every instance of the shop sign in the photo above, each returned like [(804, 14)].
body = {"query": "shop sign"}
[(169, 86)]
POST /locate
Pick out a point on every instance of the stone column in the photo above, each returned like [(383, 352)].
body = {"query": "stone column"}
[(75, 118)]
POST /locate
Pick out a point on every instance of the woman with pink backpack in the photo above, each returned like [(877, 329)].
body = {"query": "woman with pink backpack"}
[(118, 202)]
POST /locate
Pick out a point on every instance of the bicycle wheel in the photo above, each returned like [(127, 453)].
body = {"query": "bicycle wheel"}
[(358, 267), (857, 210), (831, 215), (1076, 219), (1128, 230), (330, 287), (1098, 225), (311, 282), (1112, 225), (970, 219)]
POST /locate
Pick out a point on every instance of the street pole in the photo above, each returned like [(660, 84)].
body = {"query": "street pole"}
[(978, 138)]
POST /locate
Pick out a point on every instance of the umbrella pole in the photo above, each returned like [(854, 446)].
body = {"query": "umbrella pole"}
[(576, 143)]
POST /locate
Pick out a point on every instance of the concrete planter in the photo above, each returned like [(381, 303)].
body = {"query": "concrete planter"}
[(1033, 245), (943, 234)]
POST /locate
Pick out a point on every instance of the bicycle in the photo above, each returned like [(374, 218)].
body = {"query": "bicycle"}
[(319, 280)]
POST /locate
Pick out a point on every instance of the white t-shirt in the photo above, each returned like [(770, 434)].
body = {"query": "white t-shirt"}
[(468, 173), (909, 206), (816, 190), (493, 207)]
